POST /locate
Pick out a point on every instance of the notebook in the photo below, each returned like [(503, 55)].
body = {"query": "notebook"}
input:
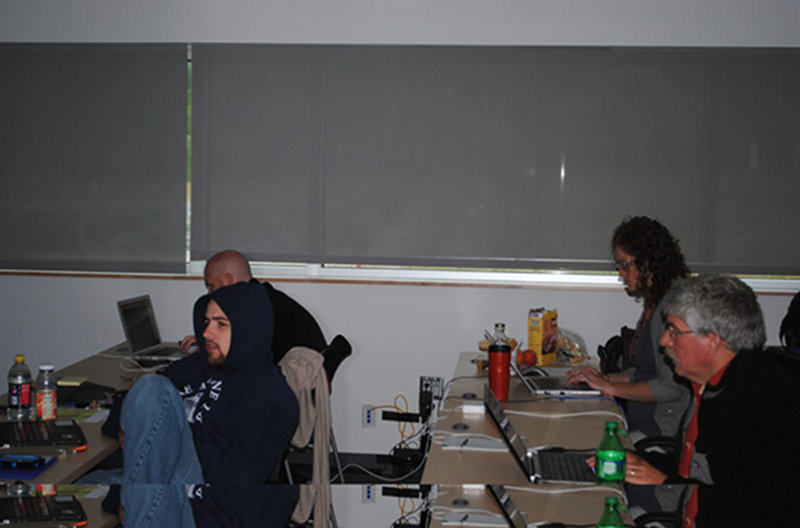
[(554, 385), (547, 465), (141, 331), (41, 437), (36, 512)]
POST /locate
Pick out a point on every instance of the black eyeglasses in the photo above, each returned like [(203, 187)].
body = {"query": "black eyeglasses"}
[(673, 331), (623, 264)]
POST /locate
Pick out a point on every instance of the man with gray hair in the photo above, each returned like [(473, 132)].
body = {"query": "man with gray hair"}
[(743, 428)]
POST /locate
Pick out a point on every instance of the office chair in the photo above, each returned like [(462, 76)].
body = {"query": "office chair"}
[(337, 351), (670, 518), (304, 368)]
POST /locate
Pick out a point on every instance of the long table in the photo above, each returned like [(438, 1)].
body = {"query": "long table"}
[(471, 505), (102, 368), (542, 421)]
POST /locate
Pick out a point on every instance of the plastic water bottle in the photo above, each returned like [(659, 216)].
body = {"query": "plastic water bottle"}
[(610, 457), (19, 390), (500, 337), (611, 517), (46, 396)]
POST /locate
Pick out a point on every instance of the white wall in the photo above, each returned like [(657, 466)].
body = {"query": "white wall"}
[(459, 22), (399, 332)]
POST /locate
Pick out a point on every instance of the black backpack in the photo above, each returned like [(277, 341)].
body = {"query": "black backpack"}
[(614, 355)]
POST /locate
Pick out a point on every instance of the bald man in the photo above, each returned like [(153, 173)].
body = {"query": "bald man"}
[(294, 325)]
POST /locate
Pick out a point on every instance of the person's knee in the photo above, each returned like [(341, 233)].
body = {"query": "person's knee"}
[(148, 387), (145, 393)]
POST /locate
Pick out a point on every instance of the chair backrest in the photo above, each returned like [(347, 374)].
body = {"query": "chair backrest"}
[(303, 369), (333, 355)]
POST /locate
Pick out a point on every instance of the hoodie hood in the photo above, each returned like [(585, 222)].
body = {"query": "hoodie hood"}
[(249, 311)]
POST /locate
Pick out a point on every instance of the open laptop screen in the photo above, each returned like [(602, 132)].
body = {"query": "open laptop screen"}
[(139, 323), (507, 430)]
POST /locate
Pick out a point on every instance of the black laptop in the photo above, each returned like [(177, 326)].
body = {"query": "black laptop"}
[(546, 465), (41, 436), (41, 512)]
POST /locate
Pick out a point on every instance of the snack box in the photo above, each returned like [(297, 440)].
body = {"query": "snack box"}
[(543, 334)]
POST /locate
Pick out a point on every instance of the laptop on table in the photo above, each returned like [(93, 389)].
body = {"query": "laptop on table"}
[(544, 465), (42, 512), (554, 385), (41, 436), (141, 331)]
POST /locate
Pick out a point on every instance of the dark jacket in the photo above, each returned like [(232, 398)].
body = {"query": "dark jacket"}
[(243, 414), (294, 325), (748, 434)]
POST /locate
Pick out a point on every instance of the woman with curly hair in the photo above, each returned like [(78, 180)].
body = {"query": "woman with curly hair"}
[(648, 259)]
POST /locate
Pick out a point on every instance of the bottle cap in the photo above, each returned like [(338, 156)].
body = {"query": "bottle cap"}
[(611, 425), (46, 366), (19, 358), (611, 501)]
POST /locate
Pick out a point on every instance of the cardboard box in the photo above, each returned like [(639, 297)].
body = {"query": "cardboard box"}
[(543, 334)]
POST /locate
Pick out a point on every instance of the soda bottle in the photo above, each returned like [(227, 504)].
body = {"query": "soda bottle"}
[(610, 457), (611, 517), (46, 397), (19, 390)]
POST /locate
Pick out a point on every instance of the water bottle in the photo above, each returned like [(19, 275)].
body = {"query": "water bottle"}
[(611, 517), (610, 457), (19, 390), (500, 337), (46, 397)]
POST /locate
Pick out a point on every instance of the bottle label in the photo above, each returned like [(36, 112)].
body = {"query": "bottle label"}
[(45, 405), (611, 470), (19, 395)]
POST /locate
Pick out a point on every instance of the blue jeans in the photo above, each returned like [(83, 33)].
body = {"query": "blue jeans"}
[(160, 458)]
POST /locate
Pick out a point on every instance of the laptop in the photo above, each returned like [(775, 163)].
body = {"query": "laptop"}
[(554, 385), (141, 331), (41, 437), (546, 465), (36, 512), (510, 511)]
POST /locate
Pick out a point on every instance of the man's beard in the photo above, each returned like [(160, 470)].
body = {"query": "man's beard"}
[(215, 359)]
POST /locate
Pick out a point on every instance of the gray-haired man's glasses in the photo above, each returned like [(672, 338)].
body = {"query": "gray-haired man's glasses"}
[(675, 332)]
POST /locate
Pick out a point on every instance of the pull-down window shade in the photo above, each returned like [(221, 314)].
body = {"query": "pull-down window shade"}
[(495, 157), (93, 157)]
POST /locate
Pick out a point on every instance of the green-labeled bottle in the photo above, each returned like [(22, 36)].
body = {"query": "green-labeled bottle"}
[(610, 457), (611, 517)]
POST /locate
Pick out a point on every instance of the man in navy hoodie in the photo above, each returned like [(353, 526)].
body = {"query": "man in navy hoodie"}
[(222, 417)]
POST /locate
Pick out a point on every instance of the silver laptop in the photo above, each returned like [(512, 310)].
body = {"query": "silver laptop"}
[(141, 331), (554, 385), (546, 465), (512, 514)]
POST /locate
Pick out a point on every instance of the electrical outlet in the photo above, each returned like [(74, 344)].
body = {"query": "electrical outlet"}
[(367, 493), (368, 416)]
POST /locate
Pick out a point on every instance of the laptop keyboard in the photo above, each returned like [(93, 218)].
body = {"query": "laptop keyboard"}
[(548, 383), (24, 434), (56, 433), (60, 509), (567, 467)]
